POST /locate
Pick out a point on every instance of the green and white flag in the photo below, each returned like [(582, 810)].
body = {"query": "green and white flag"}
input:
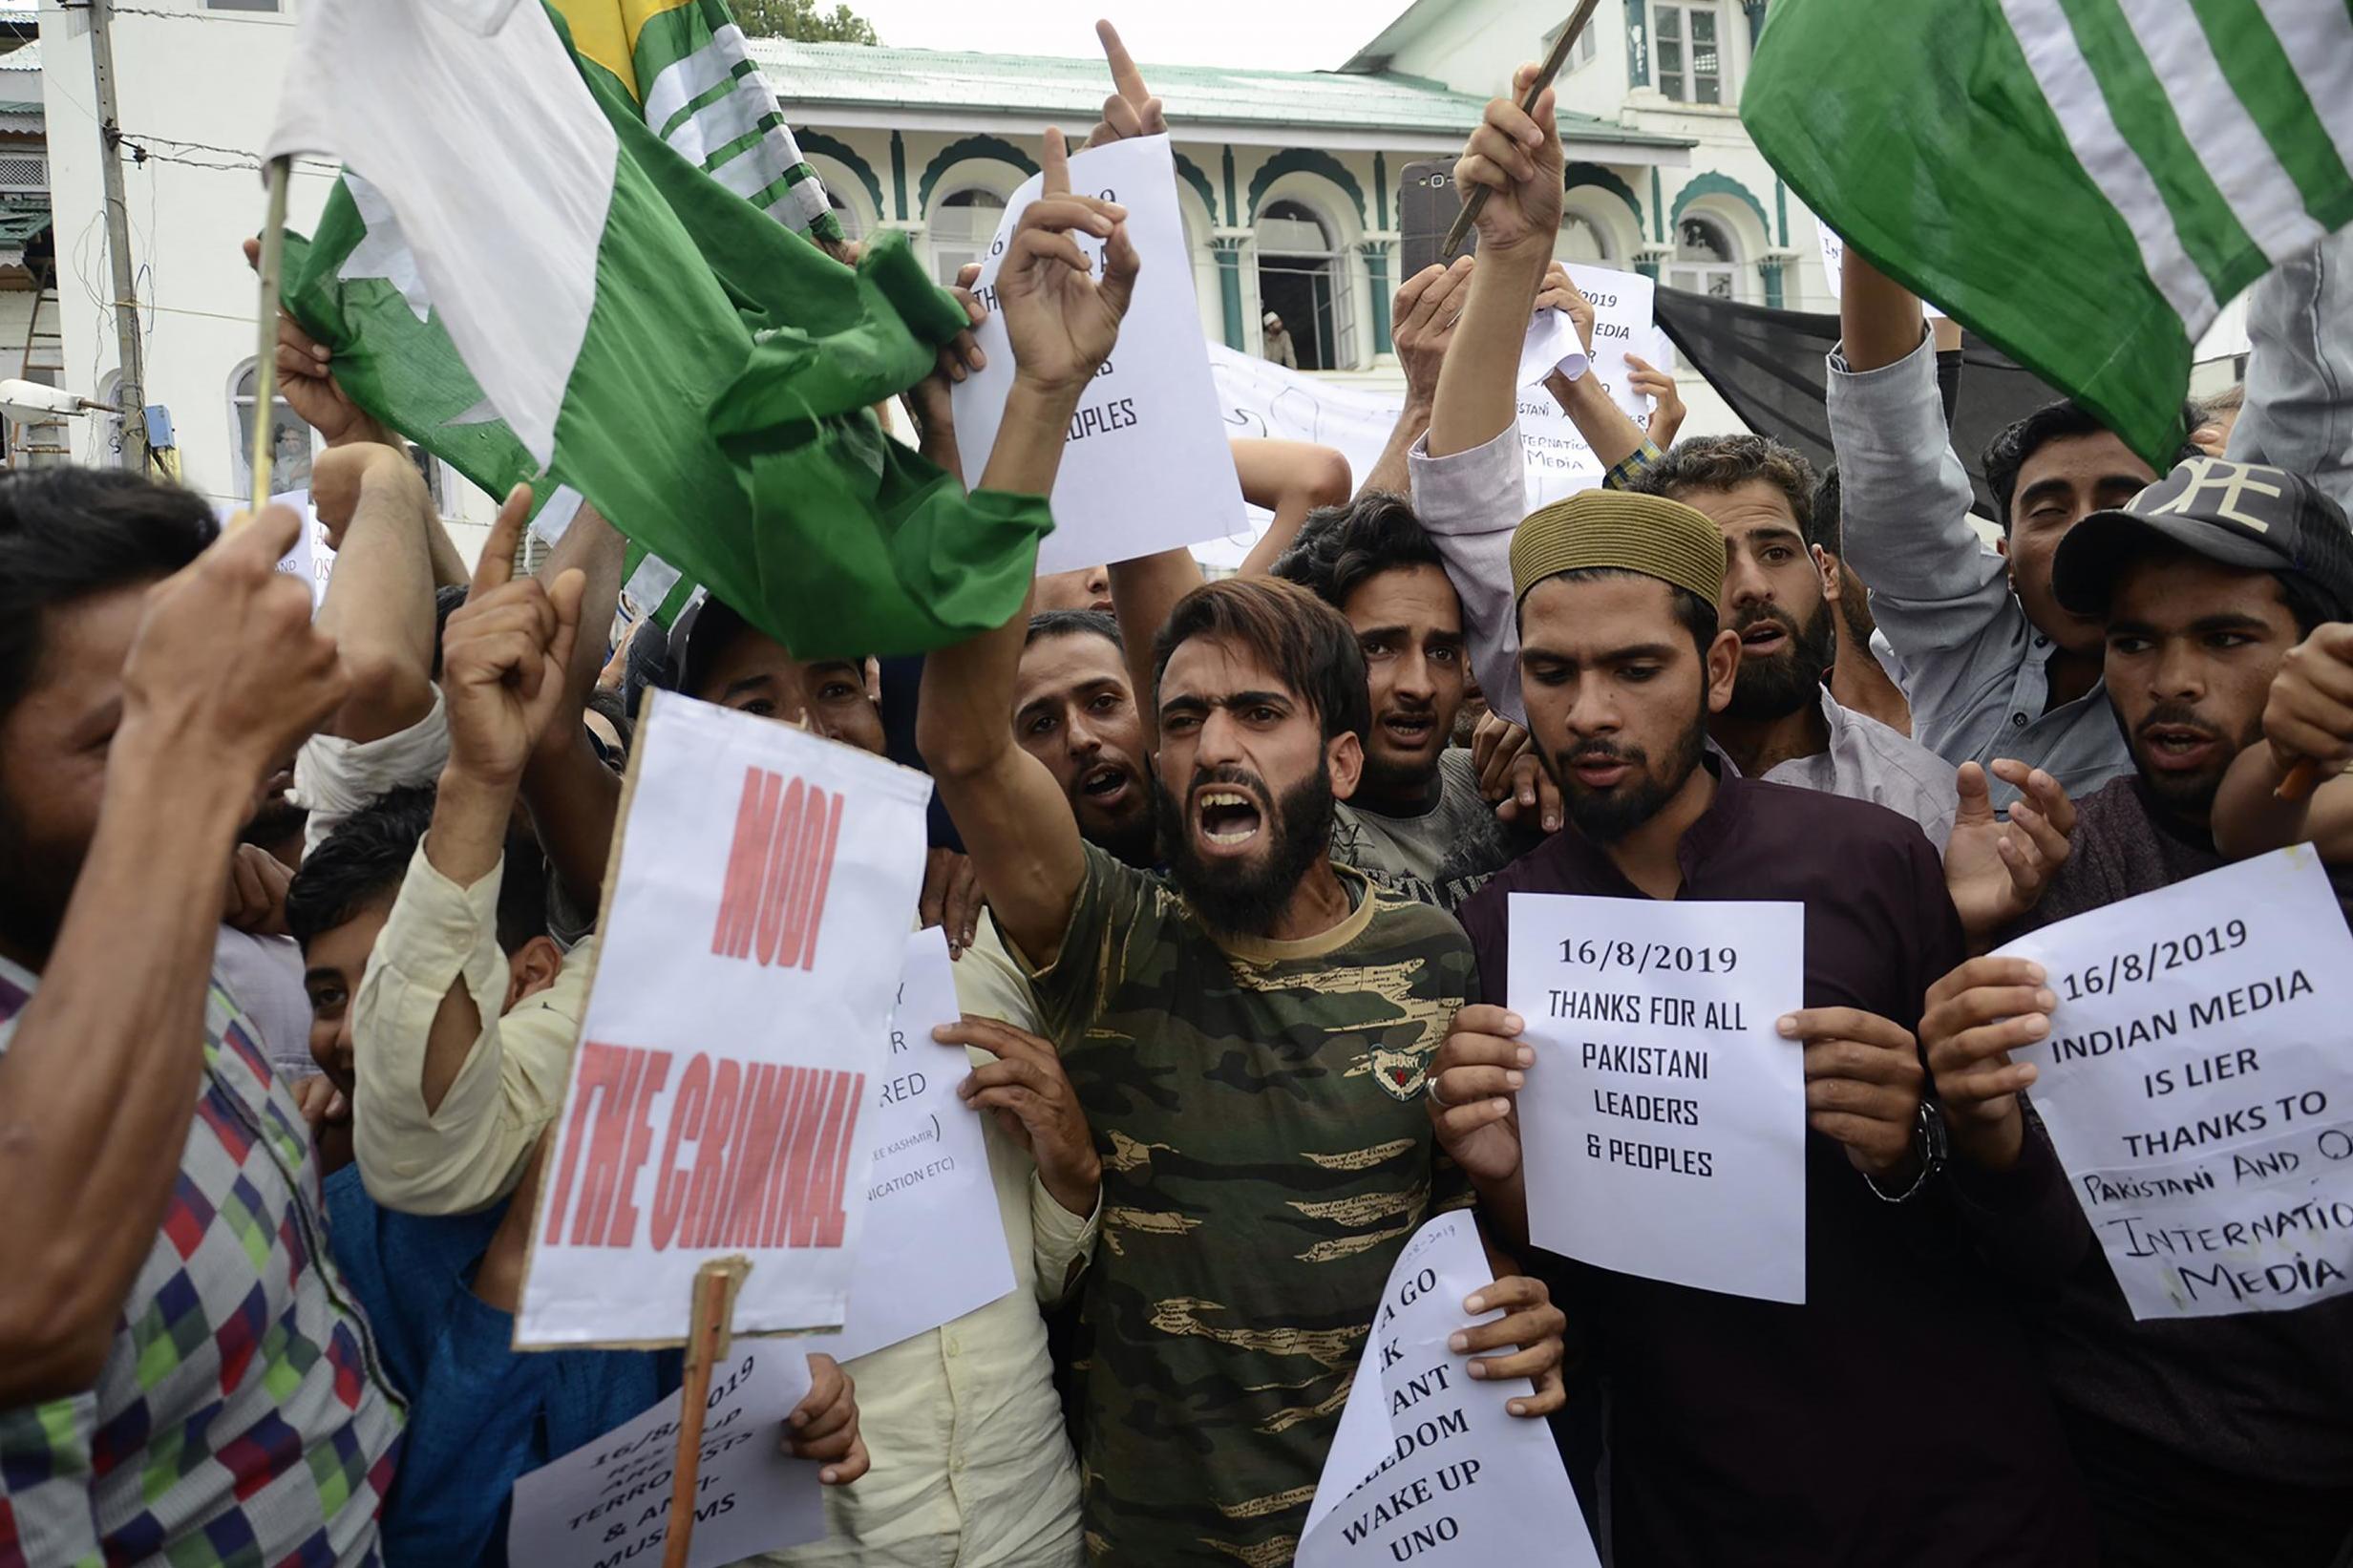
[(684, 63), (531, 284), (2084, 182)]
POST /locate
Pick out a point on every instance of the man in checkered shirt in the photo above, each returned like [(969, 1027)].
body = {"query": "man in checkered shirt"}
[(183, 1376)]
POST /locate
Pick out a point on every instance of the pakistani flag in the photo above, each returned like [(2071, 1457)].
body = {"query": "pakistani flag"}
[(683, 64), (2084, 183), (525, 279)]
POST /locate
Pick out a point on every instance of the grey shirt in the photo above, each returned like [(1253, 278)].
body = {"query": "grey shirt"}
[(1975, 669), (1439, 858), (1868, 761)]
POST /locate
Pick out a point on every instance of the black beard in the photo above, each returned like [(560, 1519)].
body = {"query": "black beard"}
[(1132, 842), (1245, 900), (1606, 819), (1775, 690), (1854, 614), (1399, 786)]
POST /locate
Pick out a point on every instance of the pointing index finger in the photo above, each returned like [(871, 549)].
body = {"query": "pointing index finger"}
[(495, 567), (1124, 75), (1057, 165)]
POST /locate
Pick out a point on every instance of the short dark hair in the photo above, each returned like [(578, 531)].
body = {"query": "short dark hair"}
[(1697, 615), (1827, 530), (2006, 454), (68, 533), (1377, 533), (1722, 462), (1297, 636), (1309, 559), (1075, 623), (366, 858)]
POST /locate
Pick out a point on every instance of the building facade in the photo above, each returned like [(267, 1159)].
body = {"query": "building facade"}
[(1290, 181)]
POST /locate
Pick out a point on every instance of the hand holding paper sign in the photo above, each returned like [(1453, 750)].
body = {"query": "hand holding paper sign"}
[(1532, 1327), (823, 1428), (1063, 323), (1026, 1089), (1978, 1015), (1862, 1085), (1481, 1066)]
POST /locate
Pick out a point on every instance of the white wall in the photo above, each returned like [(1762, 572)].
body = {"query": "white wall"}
[(202, 77)]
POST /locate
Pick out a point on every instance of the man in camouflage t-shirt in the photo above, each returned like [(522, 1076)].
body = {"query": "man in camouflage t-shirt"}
[(1248, 1035)]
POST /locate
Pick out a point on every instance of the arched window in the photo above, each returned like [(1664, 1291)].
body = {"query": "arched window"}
[(961, 224), (1704, 262), (1583, 239), (292, 441), (1299, 279)]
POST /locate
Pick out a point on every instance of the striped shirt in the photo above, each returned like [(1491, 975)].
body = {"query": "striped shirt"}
[(243, 1416)]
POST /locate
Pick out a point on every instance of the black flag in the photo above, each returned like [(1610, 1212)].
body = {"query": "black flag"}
[(1769, 366)]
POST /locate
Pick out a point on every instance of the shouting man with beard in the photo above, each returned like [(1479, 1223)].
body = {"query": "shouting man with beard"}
[(1779, 594), (1247, 1035)]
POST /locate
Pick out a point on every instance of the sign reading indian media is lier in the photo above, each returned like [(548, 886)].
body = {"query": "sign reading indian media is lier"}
[(737, 1018)]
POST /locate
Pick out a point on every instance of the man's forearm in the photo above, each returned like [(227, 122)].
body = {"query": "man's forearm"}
[(964, 717), (1476, 401), (379, 605), (1289, 478), (574, 798), (449, 568), (1880, 320), (1605, 427), (1390, 474), (97, 1085)]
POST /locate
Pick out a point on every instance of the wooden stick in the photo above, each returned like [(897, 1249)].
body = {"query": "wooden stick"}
[(1553, 62), (266, 362), (715, 1285)]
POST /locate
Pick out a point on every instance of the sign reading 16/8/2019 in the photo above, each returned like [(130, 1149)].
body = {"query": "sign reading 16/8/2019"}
[(2194, 1085), (1663, 1122)]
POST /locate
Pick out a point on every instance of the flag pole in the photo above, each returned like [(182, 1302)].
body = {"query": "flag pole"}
[(708, 1330), (266, 362)]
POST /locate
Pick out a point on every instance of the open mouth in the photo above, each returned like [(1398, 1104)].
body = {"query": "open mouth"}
[(1598, 771), (1105, 785), (1226, 819), (1410, 731), (2178, 748), (1764, 639)]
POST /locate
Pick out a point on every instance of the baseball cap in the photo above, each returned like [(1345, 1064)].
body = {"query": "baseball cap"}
[(2245, 515)]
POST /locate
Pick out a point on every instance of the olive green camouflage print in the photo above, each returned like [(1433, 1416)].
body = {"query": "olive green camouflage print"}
[(1258, 1106)]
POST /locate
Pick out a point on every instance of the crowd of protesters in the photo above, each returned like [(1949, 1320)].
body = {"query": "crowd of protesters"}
[(298, 922)]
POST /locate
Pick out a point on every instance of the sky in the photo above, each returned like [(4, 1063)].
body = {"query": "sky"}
[(1294, 36)]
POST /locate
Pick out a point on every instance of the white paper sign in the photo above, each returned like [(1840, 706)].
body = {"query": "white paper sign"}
[(1622, 325), (609, 1501), (1664, 1124), (1551, 345), (736, 1026), (931, 1209), (1145, 467), (1427, 1465), (2196, 1086)]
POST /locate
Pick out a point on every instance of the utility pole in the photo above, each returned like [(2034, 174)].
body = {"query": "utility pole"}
[(131, 389)]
